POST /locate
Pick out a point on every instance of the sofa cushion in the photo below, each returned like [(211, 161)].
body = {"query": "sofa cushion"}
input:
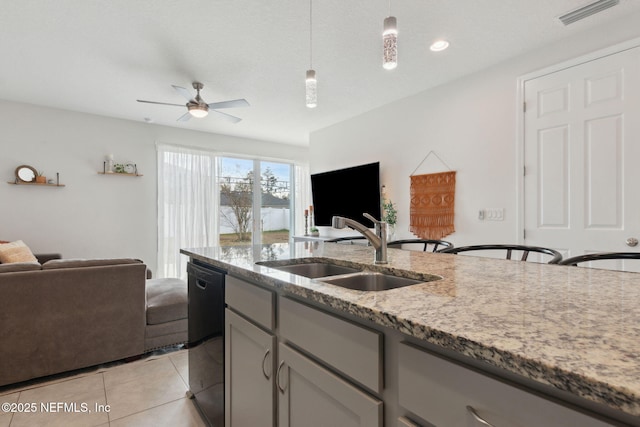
[(20, 266), (166, 300), (15, 252), (75, 263)]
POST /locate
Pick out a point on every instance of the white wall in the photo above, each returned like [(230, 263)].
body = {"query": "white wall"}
[(94, 215), (469, 123)]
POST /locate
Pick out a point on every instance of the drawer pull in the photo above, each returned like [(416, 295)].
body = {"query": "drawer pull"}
[(264, 359), (478, 417), (278, 377)]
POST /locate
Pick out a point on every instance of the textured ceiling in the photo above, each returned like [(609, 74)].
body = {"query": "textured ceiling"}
[(99, 56)]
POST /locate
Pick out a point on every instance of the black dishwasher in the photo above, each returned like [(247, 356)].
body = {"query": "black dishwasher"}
[(206, 340)]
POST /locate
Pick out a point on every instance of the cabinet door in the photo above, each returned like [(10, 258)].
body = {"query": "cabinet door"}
[(249, 374), (311, 396)]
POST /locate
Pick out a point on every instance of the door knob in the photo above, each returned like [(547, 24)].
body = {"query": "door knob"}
[(632, 241)]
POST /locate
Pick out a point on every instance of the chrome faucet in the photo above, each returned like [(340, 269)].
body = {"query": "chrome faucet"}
[(377, 240)]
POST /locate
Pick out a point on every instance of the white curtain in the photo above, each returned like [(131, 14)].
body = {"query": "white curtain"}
[(188, 205), (301, 197)]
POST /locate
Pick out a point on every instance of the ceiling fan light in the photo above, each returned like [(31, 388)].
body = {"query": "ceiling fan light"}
[(390, 43), (198, 111), (311, 85)]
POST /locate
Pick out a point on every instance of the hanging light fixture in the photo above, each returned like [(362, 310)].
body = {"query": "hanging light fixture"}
[(390, 42), (311, 83)]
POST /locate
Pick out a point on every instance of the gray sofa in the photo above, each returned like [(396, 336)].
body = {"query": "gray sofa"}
[(69, 314)]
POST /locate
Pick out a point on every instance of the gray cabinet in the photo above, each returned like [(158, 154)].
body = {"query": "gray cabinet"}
[(250, 346), (249, 374), (351, 349), (444, 393), (305, 392), (312, 396), (405, 422)]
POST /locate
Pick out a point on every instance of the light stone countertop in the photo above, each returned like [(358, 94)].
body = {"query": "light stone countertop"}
[(574, 328)]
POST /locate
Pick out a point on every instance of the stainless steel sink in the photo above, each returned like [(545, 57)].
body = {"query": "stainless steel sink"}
[(371, 281), (360, 278), (314, 270)]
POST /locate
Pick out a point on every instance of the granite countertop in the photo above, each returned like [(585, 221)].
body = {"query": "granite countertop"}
[(574, 328)]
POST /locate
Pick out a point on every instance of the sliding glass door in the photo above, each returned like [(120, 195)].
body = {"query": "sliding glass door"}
[(275, 207), (236, 201), (254, 211)]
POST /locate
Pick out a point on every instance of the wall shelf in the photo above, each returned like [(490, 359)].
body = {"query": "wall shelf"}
[(35, 183), (118, 173)]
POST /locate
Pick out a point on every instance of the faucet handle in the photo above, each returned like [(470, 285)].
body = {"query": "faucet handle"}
[(371, 218)]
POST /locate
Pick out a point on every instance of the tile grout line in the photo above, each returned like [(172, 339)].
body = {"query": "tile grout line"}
[(14, 413), (179, 374), (106, 399), (147, 409)]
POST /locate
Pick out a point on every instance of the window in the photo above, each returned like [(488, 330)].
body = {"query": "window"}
[(205, 199), (254, 211)]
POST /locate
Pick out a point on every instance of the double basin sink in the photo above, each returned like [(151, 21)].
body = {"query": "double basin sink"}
[(357, 277)]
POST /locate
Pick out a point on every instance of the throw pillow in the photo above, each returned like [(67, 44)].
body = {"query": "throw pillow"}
[(16, 252)]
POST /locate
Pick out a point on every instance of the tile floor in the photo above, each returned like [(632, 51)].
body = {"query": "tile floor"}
[(148, 392)]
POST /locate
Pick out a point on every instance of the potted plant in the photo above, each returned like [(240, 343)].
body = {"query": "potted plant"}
[(314, 231), (40, 178), (390, 216)]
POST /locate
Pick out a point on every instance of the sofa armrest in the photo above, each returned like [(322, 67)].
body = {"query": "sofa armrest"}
[(42, 258)]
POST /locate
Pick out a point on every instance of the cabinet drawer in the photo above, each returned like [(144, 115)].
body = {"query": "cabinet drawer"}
[(439, 391), (251, 300), (351, 349)]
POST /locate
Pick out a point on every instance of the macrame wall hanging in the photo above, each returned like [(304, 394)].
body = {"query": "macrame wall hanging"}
[(432, 202)]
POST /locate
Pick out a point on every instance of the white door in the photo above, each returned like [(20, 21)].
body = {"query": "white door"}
[(582, 157)]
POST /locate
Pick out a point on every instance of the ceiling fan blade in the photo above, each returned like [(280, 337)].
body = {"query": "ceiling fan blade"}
[(161, 103), (185, 117), (182, 91), (228, 117), (229, 104)]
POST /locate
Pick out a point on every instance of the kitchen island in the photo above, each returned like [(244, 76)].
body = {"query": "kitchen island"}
[(568, 332)]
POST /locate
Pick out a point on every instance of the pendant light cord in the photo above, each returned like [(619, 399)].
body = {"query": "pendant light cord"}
[(311, 34)]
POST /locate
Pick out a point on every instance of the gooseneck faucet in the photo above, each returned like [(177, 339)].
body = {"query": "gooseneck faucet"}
[(377, 240)]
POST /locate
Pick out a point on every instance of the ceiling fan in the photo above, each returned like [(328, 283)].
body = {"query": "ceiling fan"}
[(198, 108)]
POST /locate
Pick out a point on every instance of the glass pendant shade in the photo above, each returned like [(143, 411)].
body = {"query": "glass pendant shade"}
[(390, 43), (312, 89)]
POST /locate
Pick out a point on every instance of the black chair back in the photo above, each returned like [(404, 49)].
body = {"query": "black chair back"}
[(600, 256), (555, 255), (442, 244)]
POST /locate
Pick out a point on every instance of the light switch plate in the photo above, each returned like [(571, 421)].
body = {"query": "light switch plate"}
[(494, 214)]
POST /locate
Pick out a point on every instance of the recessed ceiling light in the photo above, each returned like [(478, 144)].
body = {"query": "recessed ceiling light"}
[(439, 45)]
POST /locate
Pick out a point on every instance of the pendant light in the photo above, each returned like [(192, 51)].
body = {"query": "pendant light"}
[(390, 42), (311, 83)]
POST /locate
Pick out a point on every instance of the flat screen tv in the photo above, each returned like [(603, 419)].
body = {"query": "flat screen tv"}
[(347, 192)]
